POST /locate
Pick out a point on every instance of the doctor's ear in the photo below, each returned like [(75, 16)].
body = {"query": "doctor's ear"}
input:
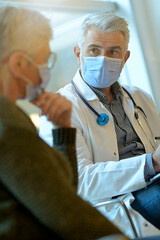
[(127, 55), (77, 53), (16, 63)]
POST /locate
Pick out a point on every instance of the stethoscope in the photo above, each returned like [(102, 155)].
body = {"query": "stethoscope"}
[(103, 118), (139, 109)]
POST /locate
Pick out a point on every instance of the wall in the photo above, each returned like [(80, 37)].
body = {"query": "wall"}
[(142, 69), (146, 13)]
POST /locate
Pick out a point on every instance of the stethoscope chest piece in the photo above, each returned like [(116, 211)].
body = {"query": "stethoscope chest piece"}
[(102, 119)]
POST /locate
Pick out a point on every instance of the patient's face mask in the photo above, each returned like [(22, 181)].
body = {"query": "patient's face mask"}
[(32, 91), (101, 72)]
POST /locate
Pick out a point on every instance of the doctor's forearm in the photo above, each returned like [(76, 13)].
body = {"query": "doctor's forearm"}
[(148, 168), (156, 159)]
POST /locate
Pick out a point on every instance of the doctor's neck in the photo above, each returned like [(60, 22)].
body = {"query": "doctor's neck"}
[(108, 93)]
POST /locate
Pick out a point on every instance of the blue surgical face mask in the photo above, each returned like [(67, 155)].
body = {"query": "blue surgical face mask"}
[(32, 91), (101, 72)]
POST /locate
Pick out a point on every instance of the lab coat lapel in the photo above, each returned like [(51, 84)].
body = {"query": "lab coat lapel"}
[(83, 88), (129, 110)]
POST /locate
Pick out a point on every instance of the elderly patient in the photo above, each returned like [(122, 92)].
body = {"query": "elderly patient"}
[(37, 186)]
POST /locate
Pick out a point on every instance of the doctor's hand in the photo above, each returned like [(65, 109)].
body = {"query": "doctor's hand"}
[(156, 159), (56, 107)]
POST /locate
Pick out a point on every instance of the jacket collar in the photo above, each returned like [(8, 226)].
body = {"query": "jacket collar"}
[(89, 94), (83, 88), (128, 105)]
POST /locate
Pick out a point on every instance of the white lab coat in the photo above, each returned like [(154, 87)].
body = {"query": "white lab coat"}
[(101, 174)]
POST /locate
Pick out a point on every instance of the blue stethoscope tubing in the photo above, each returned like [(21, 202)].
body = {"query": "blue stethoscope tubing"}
[(136, 107), (103, 118)]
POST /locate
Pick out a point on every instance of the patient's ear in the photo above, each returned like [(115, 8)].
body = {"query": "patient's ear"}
[(16, 63), (77, 52)]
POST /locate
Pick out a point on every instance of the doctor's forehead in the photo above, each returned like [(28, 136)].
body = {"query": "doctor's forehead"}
[(95, 37)]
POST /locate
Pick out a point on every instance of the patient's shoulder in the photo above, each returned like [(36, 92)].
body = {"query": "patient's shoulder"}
[(12, 115)]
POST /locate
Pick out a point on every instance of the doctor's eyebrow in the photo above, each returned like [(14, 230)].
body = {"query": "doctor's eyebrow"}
[(94, 46), (109, 48), (115, 47)]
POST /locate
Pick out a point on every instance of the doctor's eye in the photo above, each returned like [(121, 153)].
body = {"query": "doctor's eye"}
[(115, 53), (94, 52)]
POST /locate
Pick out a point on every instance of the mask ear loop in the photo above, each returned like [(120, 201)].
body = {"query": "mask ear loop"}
[(27, 80), (81, 65)]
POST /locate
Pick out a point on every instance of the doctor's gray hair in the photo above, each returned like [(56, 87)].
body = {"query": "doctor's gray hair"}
[(105, 22), (22, 29)]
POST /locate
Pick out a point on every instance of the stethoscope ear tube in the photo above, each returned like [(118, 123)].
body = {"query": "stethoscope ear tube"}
[(136, 107), (103, 118)]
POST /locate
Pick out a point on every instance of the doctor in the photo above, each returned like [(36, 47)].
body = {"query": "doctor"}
[(115, 141)]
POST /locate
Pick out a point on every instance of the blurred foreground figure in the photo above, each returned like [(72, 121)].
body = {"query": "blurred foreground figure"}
[(37, 183)]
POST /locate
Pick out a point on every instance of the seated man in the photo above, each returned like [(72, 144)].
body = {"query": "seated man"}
[(114, 141), (38, 197)]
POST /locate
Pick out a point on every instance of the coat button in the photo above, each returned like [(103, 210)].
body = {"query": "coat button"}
[(145, 224), (115, 153)]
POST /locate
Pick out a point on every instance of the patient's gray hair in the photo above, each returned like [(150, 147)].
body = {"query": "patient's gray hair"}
[(22, 29), (105, 22)]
